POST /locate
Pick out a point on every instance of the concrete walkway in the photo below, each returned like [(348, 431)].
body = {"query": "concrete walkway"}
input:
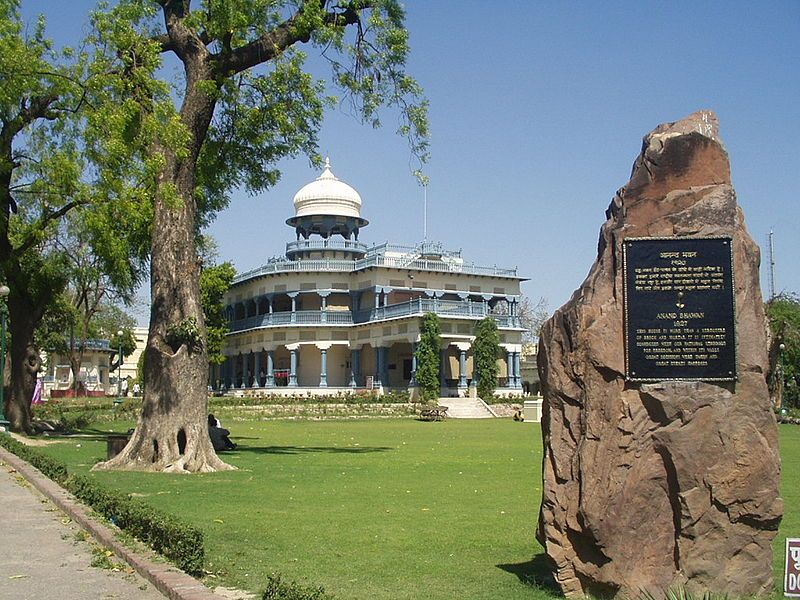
[(43, 554)]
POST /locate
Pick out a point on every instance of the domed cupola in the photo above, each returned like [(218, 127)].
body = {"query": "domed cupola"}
[(326, 207)]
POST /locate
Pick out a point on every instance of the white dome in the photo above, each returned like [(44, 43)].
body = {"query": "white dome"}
[(327, 195)]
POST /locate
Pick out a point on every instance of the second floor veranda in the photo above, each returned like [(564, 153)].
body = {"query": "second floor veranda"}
[(504, 312)]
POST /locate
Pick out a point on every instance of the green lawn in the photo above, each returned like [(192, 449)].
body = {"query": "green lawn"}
[(379, 508)]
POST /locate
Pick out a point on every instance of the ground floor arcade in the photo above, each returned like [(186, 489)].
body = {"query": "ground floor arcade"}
[(333, 367)]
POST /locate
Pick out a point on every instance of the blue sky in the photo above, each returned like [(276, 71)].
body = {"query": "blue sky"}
[(537, 114)]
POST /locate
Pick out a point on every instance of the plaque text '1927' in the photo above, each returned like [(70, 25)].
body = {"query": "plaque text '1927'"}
[(679, 309)]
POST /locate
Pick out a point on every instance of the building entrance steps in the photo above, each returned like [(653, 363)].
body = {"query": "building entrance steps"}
[(466, 408)]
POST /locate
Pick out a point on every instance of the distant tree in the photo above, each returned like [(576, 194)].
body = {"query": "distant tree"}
[(485, 350), (40, 172), (428, 357), (532, 316), (783, 313), (215, 280), (93, 290)]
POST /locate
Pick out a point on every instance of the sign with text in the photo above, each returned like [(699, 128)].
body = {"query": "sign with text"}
[(791, 581), (679, 309)]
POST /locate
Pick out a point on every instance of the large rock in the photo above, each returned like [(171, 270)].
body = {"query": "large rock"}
[(651, 486)]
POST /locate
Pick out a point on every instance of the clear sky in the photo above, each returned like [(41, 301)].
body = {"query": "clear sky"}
[(537, 114)]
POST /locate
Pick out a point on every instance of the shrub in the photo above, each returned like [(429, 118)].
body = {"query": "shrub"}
[(278, 589), (428, 357), (486, 349), (179, 542), (50, 467)]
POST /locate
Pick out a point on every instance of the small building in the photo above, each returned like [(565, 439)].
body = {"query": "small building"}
[(96, 377), (93, 377), (335, 315)]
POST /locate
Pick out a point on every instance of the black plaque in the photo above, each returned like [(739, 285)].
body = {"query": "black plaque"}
[(679, 309)]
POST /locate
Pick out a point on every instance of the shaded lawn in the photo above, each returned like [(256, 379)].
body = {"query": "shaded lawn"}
[(384, 509)]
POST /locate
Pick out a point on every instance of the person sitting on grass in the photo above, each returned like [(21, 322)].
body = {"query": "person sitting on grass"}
[(219, 435)]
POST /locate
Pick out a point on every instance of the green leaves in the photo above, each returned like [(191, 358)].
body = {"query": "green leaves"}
[(485, 351), (428, 357), (214, 282)]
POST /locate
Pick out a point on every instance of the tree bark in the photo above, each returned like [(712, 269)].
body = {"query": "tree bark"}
[(172, 432), (24, 360)]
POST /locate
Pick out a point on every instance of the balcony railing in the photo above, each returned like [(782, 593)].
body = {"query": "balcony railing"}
[(399, 262), (420, 306), (320, 245), (300, 317), (443, 308)]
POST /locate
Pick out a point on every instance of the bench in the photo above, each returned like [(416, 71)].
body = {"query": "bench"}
[(437, 413)]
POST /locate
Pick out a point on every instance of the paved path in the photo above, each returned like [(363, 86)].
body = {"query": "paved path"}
[(41, 555)]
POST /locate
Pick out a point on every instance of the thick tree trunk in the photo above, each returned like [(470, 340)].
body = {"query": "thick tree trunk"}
[(172, 432), (24, 363)]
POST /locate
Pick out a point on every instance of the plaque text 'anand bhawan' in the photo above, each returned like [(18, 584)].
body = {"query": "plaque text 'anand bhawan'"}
[(679, 312)]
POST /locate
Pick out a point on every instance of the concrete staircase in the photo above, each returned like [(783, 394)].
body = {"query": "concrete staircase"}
[(466, 408)]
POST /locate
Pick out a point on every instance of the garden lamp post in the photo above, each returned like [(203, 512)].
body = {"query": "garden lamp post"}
[(4, 424), (779, 374), (119, 366)]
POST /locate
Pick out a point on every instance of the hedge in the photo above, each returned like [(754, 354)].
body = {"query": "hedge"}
[(179, 542)]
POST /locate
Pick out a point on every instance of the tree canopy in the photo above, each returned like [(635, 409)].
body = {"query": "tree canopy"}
[(245, 100), (41, 181)]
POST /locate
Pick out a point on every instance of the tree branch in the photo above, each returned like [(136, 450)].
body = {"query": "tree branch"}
[(46, 218), (272, 43)]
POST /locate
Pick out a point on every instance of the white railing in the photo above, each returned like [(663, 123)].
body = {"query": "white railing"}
[(379, 260), (309, 245), (418, 307)]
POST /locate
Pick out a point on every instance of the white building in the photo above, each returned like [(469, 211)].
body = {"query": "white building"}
[(336, 315)]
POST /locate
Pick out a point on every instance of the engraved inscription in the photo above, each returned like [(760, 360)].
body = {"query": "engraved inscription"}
[(679, 309)]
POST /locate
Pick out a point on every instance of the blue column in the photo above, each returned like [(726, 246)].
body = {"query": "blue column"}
[(245, 374), (355, 367), (293, 296), (323, 376), (385, 361), (413, 381), (292, 368), (257, 368), (324, 315), (442, 356), (378, 366), (270, 368), (517, 371), (510, 368), (462, 368)]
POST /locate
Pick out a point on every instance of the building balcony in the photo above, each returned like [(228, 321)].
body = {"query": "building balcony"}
[(408, 261), (443, 308), (418, 307), (350, 246)]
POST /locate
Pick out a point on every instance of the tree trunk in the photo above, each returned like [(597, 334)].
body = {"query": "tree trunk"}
[(75, 362), (172, 432), (24, 362)]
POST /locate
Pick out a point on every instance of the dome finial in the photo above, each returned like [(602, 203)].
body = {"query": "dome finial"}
[(327, 162)]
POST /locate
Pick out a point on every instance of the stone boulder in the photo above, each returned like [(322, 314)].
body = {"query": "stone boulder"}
[(665, 485)]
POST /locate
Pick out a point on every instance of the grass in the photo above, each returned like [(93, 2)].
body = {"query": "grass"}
[(383, 509)]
